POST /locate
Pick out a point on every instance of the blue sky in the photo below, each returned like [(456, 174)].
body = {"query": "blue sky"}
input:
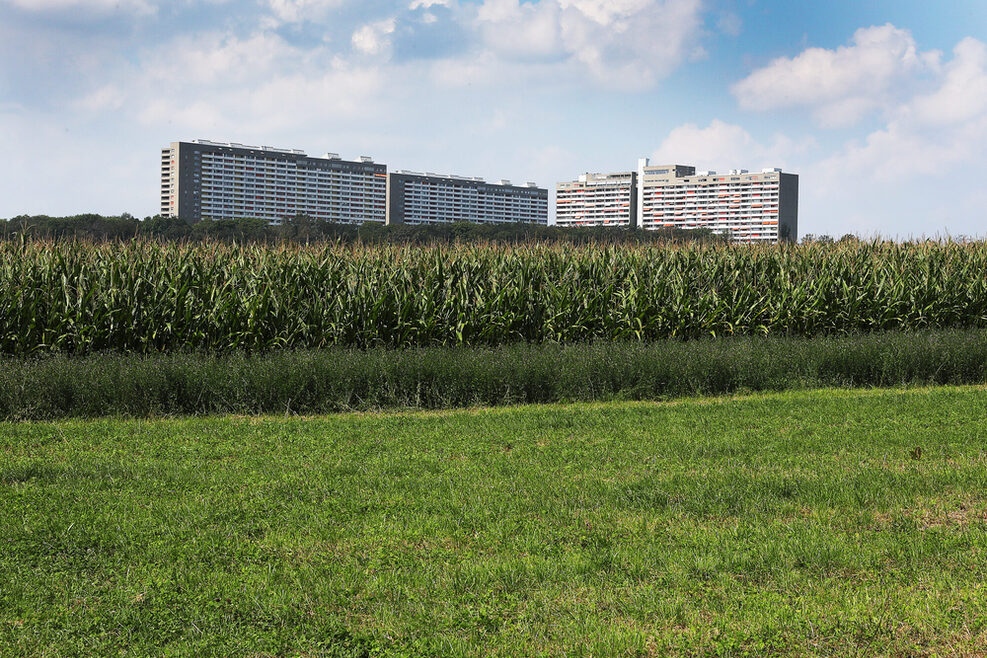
[(880, 106)]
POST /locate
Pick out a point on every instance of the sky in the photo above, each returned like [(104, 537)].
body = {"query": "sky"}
[(880, 106)]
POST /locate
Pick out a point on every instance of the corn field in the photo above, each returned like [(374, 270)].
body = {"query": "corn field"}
[(147, 297)]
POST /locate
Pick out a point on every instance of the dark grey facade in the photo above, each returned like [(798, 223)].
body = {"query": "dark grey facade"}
[(788, 208)]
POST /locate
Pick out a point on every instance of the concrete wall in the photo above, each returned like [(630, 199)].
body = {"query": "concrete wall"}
[(788, 208)]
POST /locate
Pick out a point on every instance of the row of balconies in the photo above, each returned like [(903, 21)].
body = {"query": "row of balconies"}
[(291, 199), (299, 180), (240, 189), (284, 204), (426, 202), (441, 194)]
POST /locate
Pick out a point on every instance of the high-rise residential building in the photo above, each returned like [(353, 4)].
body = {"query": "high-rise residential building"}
[(597, 200), (417, 198), (750, 207), (211, 180)]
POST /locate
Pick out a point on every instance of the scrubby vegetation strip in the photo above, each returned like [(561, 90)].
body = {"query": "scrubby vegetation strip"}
[(320, 381)]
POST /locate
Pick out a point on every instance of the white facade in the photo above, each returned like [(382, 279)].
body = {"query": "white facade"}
[(745, 205), (596, 200), (750, 207), (416, 198), (210, 180)]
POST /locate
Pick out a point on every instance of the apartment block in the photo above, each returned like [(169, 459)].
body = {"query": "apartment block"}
[(427, 198), (750, 207), (597, 200), (212, 180)]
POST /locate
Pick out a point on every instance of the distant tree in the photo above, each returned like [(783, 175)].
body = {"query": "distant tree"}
[(304, 228)]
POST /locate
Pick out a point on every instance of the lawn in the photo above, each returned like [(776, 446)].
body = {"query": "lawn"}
[(822, 522)]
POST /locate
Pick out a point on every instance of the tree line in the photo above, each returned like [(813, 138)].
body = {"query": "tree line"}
[(304, 229)]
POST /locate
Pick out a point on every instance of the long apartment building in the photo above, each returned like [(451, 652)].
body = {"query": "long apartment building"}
[(417, 198), (597, 200), (212, 180), (202, 179), (750, 207)]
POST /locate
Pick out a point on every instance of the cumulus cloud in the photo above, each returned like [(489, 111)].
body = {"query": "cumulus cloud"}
[(103, 99), (933, 137), (963, 93), (372, 38), (220, 82), (292, 11), (219, 58), (143, 6), (935, 111), (931, 132), (621, 43), (721, 145), (841, 86)]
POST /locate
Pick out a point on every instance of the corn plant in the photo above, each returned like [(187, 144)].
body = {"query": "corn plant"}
[(147, 297)]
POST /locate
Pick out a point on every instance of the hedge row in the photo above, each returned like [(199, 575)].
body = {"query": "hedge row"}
[(320, 381)]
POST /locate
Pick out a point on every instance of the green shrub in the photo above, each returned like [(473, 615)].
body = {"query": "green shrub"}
[(336, 379)]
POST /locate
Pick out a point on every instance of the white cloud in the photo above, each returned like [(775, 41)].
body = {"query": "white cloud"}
[(619, 43), (963, 94), (519, 31), (607, 12), (461, 71), (141, 6), (218, 83), (843, 85), (867, 188), (104, 99), (219, 58), (931, 132), (919, 174), (293, 11), (721, 146), (275, 105), (371, 39)]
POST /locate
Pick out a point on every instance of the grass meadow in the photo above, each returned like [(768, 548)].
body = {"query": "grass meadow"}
[(826, 522)]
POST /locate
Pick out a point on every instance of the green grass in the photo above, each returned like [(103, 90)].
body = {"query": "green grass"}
[(795, 523)]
